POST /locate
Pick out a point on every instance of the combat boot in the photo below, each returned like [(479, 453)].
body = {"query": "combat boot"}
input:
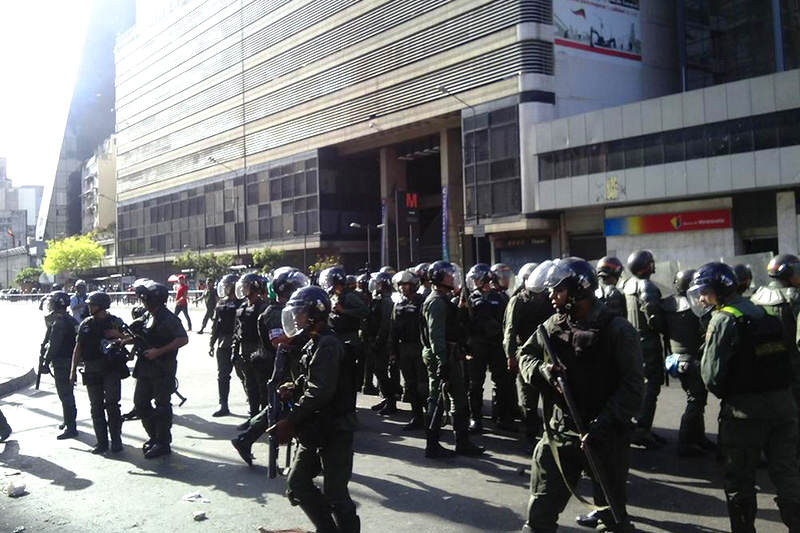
[(157, 450), (589, 520), (69, 433), (223, 388), (320, 516), (475, 425), (244, 447), (347, 520), (5, 429), (434, 450), (742, 515), (464, 446), (222, 411), (389, 409), (417, 420), (790, 513)]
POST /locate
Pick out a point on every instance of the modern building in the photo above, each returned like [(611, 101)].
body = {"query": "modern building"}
[(13, 228), (99, 189)]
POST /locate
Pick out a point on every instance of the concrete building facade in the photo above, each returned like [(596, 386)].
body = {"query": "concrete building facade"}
[(99, 189)]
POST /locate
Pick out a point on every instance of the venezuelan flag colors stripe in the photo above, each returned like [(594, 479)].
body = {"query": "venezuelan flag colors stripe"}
[(667, 222)]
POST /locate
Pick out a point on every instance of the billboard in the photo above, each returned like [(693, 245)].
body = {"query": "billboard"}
[(667, 222), (607, 27)]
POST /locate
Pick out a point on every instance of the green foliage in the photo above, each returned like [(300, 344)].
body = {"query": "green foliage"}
[(205, 265), (28, 275), (324, 262), (72, 254), (268, 259)]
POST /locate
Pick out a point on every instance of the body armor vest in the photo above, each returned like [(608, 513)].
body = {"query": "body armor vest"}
[(407, 313)]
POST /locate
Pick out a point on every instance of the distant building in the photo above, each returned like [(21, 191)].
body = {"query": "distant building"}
[(13, 229), (98, 188), (29, 198)]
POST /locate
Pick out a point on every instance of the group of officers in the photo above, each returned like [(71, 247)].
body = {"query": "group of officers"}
[(593, 348)]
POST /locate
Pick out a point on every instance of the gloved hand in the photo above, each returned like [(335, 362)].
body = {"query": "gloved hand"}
[(551, 373), (211, 351), (601, 430)]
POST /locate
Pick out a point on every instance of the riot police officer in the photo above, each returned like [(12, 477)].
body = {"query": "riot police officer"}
[(379, 323), (247, 348), (421, 271), (77, 303), (609, 270), (684, 335), (362, 291), (345, 319), (643, 303), (323, 417), (744, 278), (601, 359), (60, 343), (522, 276), (221, 343), (156, 368), (104, 369), (485, 309), (526, 310), (504, 281), (442, 335), (405, 328), (746, 364)]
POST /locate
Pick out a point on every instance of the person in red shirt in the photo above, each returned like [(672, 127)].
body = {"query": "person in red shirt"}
[(182, 301)]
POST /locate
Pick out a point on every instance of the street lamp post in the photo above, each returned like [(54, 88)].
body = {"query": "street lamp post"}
[(369, 244)]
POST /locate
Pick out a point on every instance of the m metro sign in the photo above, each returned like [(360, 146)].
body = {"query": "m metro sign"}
[(667, 223)]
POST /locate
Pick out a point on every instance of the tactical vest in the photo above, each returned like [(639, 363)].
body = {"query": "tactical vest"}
[(343, 400), (91, 335), (247, 322), (485, 315), (67, 331), (530, 311), (613, 299), (376, 315), (761, 361), (270, 319), (780, 302), (225, 313), (340, 323), (592, 371), (683, 326), (407, 319)]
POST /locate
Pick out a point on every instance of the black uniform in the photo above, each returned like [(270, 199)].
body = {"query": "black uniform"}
[(247, 352), (613, 299), (222, 329), (406, 316), (155, 379), (210, 298), (60, 339), (346, 324), (378, 328), (324, 420)]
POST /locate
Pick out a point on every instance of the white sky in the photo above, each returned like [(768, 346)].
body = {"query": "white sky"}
[(40, 50)]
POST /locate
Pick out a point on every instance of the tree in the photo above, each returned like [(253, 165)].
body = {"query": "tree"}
[(268, 259), (71, 254), (204, 265), (324, 262), (28, 275)]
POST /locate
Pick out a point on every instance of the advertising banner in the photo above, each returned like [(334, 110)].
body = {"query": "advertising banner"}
[(667, 223), (608, 27)]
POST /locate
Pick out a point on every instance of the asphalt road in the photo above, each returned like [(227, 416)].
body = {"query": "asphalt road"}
[(395, 487)]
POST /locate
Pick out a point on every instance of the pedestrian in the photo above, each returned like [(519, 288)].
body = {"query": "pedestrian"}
[(323, 417), (210, 298), (601, 359), (221, 343), (247, 343), (156, 368), (77, 303), (442, 337), (182, 300), (405, 344), (747, 365), (103, 370), (60, 344)]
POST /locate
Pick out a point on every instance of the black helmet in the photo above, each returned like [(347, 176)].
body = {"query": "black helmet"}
[(525, 271), (248, 283), (362, 281), (421, 271), (536, 282), (504, 277), (331, 277), (609, 266), (380, 282), (57, 301), (388, 270), (351, 281), (718, 278), (445, 274), (744, 276), (683, 278), (403, 277), (478, 276), (79, 284), (641, 263), (99, 298), (226, 285), (783, 266), (576, 276), (305, 308), (151, 292), (286, 280)]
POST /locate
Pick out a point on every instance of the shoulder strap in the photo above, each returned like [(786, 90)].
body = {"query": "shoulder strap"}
[(729, 309)]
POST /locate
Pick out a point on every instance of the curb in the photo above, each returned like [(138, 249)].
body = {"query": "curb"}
[(17, 383)]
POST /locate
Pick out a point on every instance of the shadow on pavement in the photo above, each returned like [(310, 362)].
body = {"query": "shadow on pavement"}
[(41, 468)]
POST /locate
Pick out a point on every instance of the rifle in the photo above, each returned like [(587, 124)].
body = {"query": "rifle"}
[(42, 368), (591, 459), (277, 409), (437, 407)]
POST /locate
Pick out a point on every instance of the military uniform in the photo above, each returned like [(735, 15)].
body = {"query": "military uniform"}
[(222, 329), (346, 324), (406, 316), (210, 298), (324, 421), (247, 353), (643, 300), (747, 366), (60, 339), (379, 323), (524, 313), (603, 364), (683, 332), (783, 301), (613, 299)]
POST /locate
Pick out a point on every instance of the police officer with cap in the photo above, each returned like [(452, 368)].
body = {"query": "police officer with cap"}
[(609, 270), (746, 364), (323, 417), (602, 364), (156, 368), (59, 346), (221, 343), (405, 329), (643, 303)]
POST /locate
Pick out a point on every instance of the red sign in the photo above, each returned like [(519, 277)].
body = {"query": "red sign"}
[(668, 222), (412, 200)]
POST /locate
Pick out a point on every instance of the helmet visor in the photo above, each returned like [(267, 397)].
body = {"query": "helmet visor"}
[(458, 277), (699, 288), (222, 289), (294, 320), (374, 285), (536, 280), (507, 281), (242, 290), (326, 281)]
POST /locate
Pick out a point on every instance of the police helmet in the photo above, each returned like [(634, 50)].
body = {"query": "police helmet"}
[(716, 278), (537, 280), (783, 266), (151, 292), (445, 274), (351, 282), (525, 271), (403, 277), (386, 269), (380, 282), (576, 276), (57, 301), (249, 283), (421, 271), (744, 276), (683, 278), (641, 263), (362, 282), (504, 277), (609, 266), (331, 277), (478, 276), (286, 280), (227, 285), (99, 298), (306, 306)]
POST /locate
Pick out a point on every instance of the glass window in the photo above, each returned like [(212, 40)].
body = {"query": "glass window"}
[(484, 200), (674, 146), (597, 158), (579, 162), (504, 169), (545, 167), (300, 183), (263, 211), (695, 139), (275, 190), (615, 156), (718, 139), (653, 149), (504, 142), (229, 216), (765, 132), (789, 128), (633, 152), (483, 172), (469, 199), (311, 181), (741, 135), (561, 164)]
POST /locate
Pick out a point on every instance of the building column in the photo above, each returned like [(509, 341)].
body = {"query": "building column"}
[(452, 196), (787, 222), (393, 178)]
